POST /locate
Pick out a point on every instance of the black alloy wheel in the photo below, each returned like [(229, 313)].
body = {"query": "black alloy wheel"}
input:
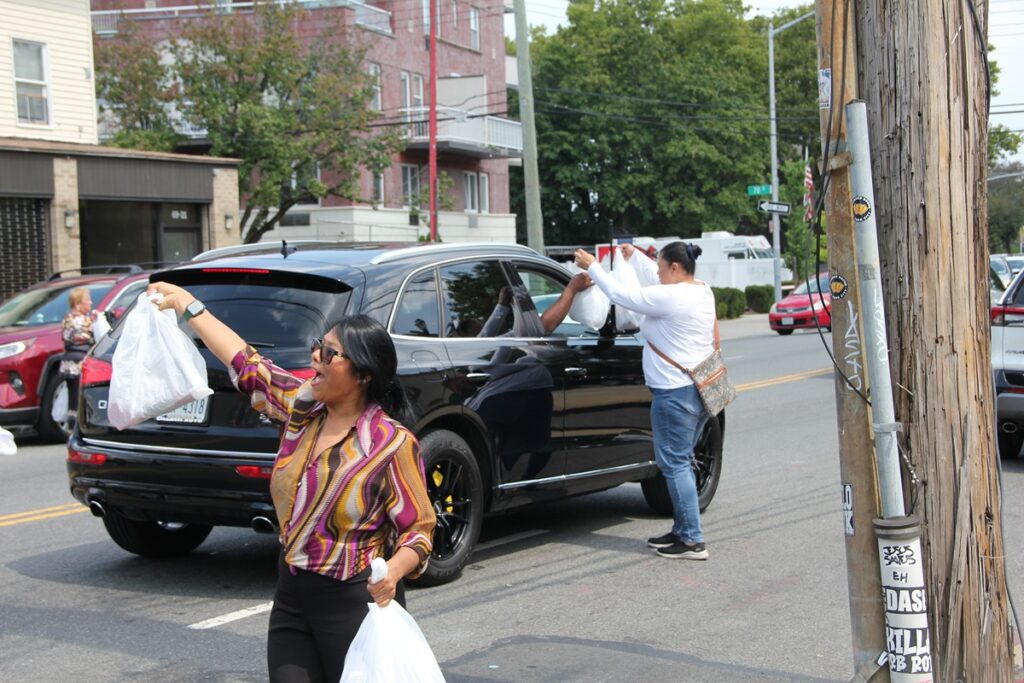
[(456, 490), (707, 471)]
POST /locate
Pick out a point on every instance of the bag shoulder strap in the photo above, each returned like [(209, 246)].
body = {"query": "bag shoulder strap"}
[(666, 358)]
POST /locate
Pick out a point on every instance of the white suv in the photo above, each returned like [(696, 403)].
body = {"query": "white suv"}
[(1008, 366)]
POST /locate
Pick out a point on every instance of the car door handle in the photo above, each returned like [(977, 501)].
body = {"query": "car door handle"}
[(478, 376), (576, 372)]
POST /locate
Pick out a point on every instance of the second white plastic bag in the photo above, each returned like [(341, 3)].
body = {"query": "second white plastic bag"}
[(157, 368), (624, 272), (389, 647)]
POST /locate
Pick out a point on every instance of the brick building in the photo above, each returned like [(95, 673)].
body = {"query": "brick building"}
[(67, 202), (475, 139)]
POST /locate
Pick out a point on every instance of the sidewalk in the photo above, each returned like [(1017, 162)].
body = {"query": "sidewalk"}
[(747, 325)]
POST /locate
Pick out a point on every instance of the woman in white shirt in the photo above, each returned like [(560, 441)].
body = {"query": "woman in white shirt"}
[(680, 322)]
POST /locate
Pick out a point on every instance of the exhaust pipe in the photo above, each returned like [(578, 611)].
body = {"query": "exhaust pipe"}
[(96, 508), (1009, 427), (263, 525)]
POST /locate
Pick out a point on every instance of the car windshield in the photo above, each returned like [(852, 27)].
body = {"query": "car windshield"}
[(45, 305), (1016, 263), (819, 285)]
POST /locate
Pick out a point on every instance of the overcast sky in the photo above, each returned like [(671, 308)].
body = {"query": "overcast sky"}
[(1006, 33)]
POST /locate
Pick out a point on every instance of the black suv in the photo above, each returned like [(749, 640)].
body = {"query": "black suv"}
[(507, 415)]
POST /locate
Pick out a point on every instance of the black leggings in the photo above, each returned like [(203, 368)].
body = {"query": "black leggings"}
[(313, 622)]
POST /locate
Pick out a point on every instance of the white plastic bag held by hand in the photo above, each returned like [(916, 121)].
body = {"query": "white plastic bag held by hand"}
[(157, 368), (589, 307), (389, 647), (624, 272)]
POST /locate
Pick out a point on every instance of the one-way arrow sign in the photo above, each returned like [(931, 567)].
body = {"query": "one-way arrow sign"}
[(780, 208)]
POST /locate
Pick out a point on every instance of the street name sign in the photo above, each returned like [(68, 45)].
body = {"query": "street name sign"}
[(759, 190), (780, 208)]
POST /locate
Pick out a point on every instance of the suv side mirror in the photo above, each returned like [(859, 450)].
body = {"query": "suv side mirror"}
[(115, 314)]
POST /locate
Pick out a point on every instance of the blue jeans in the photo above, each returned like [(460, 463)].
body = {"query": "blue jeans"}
[(677, 419)]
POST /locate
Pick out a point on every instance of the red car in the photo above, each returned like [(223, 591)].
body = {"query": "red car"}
[(31, 345), (811, 300)]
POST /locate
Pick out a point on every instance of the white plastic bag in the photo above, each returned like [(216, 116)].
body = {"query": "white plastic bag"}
[(624, 272), (7, 445), (157, 368), (589, 307), (100, 326), (59, 410), (389, 647)]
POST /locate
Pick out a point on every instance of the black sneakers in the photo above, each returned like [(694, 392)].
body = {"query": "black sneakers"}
[(663, 541), (684, 551)]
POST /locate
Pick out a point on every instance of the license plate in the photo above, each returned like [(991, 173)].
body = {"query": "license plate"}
[(787, 321), (190, 413)]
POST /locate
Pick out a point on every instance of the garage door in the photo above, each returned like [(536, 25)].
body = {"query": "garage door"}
[(24, 258)]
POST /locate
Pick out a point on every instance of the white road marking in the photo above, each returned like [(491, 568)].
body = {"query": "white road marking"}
[(510, 539), (231, 616)]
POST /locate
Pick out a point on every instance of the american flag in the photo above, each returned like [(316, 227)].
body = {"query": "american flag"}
[(808, 194)]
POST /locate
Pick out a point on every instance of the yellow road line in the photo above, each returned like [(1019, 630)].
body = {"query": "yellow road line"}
[(36, 518), (782, 380), (39, 511)]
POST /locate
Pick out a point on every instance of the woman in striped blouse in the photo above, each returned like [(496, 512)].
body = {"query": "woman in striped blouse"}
[(348, 484)]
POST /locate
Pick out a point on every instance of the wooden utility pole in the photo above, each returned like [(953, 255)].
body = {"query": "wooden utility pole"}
[(856, 446), (922, 74)]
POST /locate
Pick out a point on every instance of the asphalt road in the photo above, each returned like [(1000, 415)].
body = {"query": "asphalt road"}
[(564, 592)]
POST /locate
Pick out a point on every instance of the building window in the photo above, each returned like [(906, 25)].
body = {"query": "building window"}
[(455, 13), (426, 18), (376, 102), (470, 190), (298, 189), (474, 28), (484, 193), (410, 186), (377, 193), (30, 82), (417, 90)]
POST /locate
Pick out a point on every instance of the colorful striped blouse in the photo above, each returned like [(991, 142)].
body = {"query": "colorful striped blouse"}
[(358, 499)]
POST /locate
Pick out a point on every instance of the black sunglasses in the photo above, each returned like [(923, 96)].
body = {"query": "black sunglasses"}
[(327, 354)]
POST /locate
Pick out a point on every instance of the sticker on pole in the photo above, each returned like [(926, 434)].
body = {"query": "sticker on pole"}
[(848, 509), (824, 88), (907, 638), (861, 209), (838, 285)]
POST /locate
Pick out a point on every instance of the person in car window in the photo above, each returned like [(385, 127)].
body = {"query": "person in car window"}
[(550, 319), (680, 322), (77, 335), (348, 484)]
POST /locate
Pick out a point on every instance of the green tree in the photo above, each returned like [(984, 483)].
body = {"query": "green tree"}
[(1006, 208), (294, 107), (135, 91)]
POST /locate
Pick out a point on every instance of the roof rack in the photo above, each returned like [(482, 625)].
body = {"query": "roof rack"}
[(405, 252), (125, 269), (130, 269), (236, 249)]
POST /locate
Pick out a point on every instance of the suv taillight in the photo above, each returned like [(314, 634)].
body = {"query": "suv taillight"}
[(85, 458), (95, 371)]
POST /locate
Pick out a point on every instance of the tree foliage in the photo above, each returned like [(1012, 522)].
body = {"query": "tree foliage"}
[(135, 91), (1006, 208), (294, 107), (652, 118)]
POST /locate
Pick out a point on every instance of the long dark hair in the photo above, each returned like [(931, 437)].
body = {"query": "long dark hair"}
[(372, 353), (683, 253)]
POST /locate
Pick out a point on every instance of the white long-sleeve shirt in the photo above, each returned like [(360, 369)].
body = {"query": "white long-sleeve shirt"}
[(680, 319)]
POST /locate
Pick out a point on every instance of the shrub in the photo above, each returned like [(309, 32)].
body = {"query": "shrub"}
[(729, 302), (760, 297)]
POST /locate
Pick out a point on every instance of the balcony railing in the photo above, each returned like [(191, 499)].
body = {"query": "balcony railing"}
[(462, 130), (104, 22)]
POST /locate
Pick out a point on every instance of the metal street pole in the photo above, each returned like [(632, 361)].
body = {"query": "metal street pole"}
[(432, 120), (776, 223), (531, 177)]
